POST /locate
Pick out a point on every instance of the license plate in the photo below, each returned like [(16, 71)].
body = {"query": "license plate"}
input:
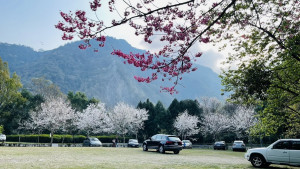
[(175, 143)]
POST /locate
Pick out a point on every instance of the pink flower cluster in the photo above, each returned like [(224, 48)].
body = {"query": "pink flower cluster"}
[(95, 4), (173, 59)]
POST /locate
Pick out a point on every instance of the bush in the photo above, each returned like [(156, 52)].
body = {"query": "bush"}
[(45, 138)]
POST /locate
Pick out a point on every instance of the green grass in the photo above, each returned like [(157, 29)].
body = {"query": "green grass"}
[(86, 157)]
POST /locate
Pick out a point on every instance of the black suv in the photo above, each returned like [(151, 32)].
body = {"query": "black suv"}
[(162, 143)]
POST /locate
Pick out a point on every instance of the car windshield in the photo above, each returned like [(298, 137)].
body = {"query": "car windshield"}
[(135, 141), (94, 139), (219, 143), (174, 138), (238, 142)]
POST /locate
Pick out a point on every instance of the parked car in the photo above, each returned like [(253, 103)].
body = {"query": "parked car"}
[(285, 151), (2, 138), (238, 146), (220, 145), (162, 143), (133, 143), (187, 144), (92, 142)]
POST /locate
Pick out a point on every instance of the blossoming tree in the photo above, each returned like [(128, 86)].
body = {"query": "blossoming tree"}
[(94, 119), (182, 24), (215, 123), (53, 116), (242, 120), (127, 119), (186, 124)]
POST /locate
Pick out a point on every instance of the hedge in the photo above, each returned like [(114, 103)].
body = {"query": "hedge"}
[(45, 138)]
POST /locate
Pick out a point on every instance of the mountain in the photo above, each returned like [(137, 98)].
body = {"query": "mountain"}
[(102, 75)]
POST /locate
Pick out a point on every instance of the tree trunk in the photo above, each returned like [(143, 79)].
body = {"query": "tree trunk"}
[(51, 134), (124, 138)]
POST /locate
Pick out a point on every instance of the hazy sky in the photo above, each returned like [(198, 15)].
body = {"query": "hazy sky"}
[(31, 23)]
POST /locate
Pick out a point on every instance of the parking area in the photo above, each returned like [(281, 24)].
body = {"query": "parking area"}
[(107, 157)]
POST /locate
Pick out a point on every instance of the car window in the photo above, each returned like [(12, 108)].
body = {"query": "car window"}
[(295, 145), (153, 137), (174, 139), (282, 145), (94, 139)]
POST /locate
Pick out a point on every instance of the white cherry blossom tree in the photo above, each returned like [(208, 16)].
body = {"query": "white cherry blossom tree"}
[(215, 123), (55, 114), (242, 120), (126, 119), (186, 124), (94, 119)]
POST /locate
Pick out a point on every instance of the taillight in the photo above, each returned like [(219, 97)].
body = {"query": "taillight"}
[(169, 142), (179, 143)]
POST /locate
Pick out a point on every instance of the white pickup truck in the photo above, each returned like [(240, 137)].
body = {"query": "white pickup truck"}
[(284, 151)]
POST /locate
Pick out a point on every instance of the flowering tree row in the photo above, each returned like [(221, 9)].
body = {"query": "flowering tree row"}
[(57, 115), (240, 122)]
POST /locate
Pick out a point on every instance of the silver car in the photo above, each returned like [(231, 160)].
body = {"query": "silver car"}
[(133, 143), (92, 142), (238, 146), (187, 144), (2, 138)]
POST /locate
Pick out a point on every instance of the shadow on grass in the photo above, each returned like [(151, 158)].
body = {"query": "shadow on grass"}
[(157, 152)]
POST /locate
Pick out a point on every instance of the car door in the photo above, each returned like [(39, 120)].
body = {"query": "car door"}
[(157, 141), (279, 153), (295, 153), (151, 142)]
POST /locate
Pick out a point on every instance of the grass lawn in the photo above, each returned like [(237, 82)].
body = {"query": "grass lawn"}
[(105, 157)]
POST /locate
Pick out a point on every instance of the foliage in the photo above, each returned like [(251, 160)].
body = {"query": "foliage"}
[(79, 101), (1, 129), (11, 100), (46, 88), (151, 127), (274, 83)]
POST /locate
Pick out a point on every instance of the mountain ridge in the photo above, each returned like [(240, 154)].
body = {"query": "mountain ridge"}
[(102, 75)]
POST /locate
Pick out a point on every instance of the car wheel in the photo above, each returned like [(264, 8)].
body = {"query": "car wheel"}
[(145, 148), (257, 161), (176, 152), (161, 149)]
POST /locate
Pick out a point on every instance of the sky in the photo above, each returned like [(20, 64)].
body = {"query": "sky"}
[(31, 23)]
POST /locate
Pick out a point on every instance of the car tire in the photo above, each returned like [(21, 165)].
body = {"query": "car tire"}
[(161, 149), (258, 161), (145, 148), (176, 152)]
